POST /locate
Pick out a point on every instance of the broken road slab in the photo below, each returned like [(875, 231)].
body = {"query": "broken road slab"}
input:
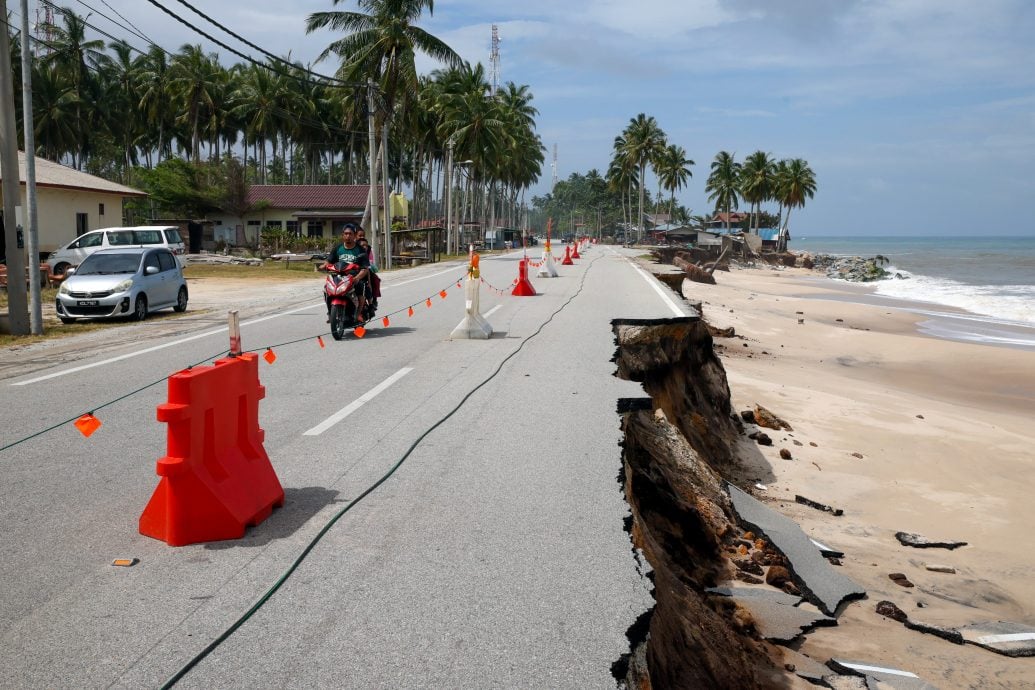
[(1002, 637), (815, 577), (777, 596), (780, 622), (921, 542), (896, 678)]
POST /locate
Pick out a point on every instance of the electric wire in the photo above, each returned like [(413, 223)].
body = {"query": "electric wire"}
[(211, 646)]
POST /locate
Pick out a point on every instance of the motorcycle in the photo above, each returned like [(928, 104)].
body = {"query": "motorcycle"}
[(339, 289)]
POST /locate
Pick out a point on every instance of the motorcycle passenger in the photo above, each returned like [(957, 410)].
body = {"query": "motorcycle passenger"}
[(348, 252), (375, 280)]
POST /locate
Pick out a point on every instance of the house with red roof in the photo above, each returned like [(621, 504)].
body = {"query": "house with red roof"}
[(304, 210)]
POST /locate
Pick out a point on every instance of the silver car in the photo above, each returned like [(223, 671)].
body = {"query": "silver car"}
[(133, 281)]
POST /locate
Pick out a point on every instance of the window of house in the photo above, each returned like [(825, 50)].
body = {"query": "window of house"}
[(292, 228), (82, 223), (100, 209), (314, 228)]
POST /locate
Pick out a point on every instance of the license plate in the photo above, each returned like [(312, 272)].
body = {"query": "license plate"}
[(88, 303)]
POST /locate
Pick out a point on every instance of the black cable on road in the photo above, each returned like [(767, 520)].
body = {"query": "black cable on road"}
[(337, 516)]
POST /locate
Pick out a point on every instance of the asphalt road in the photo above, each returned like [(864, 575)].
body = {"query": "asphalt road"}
[(495, 556)]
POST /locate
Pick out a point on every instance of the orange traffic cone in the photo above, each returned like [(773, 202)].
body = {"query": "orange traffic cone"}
[(567, 257), (523, 287), (575, 250)]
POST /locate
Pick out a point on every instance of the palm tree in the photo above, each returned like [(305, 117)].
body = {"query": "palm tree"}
[(643, 140), (153, 103), (796, 183), (722, 184), (77, 59), (381, 45), (674, 171), (756, 182), (192, 80)]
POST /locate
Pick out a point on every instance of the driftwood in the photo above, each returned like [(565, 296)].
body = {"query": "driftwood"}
[(719, 260)]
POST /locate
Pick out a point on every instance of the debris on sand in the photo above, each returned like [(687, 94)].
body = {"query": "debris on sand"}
[(921, 542)]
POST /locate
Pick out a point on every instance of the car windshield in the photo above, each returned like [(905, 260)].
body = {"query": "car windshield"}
[(107, 264)]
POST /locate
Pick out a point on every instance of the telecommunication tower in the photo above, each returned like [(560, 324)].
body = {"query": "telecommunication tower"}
[(494, 59), (44, 29), (553, 166)]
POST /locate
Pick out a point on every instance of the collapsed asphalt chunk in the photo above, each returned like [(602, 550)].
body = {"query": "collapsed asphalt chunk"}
[(921, 542), (1002, 637), (813, 575), (896, 678)]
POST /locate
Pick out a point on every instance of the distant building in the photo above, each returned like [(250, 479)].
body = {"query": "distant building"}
[(304, 210), (69, 203)]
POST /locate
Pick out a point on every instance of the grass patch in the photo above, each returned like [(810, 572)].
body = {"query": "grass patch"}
[(298, 270)]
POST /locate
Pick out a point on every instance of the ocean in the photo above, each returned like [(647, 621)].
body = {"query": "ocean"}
[(992, 278)]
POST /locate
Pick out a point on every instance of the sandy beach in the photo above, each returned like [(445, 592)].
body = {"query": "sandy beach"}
[(904, 432)]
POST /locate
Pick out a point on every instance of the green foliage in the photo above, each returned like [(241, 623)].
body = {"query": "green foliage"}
[(177, 189), (274, 240)]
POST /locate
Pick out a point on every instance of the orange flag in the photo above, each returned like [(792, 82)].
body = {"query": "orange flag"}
[(269, 356), (320, 340), (385, 322), (87, 424), (359, 331)]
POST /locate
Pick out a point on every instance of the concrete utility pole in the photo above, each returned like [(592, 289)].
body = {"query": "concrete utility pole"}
[(35, 298), (372, 196), (17, 304), (449, 194), (386, 259)]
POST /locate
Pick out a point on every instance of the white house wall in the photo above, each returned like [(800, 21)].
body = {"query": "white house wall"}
[(56, 214)]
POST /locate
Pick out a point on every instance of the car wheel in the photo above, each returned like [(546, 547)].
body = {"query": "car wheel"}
[(181, 300), (140, 308), (66, 320), (59, 270)]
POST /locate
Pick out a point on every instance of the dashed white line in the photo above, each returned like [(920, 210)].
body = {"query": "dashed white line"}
[(357, 403)]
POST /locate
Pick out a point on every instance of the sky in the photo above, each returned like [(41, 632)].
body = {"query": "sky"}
[(917, 116)]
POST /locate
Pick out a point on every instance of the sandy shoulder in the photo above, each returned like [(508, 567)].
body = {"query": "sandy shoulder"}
[(948, 451)]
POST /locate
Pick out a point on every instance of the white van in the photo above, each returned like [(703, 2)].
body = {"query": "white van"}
[(73, 253)]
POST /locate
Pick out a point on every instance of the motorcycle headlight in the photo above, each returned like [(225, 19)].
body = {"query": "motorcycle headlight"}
[(64, 289), (124, 285)]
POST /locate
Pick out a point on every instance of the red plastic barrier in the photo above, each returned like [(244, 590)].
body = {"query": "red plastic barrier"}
[(575, 250), (567, 257), (216, 479), (524, 287)]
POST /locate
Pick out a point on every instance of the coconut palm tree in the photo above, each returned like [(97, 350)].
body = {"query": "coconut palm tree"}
[(77, 60), (674, 171), (643, 140), (193, 76), (796, 183), (757, 176), (722, 185), (153, 102)]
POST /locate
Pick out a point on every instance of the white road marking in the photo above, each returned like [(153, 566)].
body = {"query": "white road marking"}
[(145, 351), (653, 282), (1010, 637), (430, 275), (357, 403), (493, 310), (879, 669)]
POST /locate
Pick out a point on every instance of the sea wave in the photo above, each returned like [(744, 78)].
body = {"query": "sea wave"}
[(1005, 303)]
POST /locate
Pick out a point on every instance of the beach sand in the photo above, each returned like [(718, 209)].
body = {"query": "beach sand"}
[(946, 434)]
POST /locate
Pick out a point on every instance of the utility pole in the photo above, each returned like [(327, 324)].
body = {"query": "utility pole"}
[(35, 298), (449, 194), (14, 247), (372, 142), (386, 200)]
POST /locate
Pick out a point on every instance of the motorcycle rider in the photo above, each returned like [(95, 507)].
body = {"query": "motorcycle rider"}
[(348, 252)]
